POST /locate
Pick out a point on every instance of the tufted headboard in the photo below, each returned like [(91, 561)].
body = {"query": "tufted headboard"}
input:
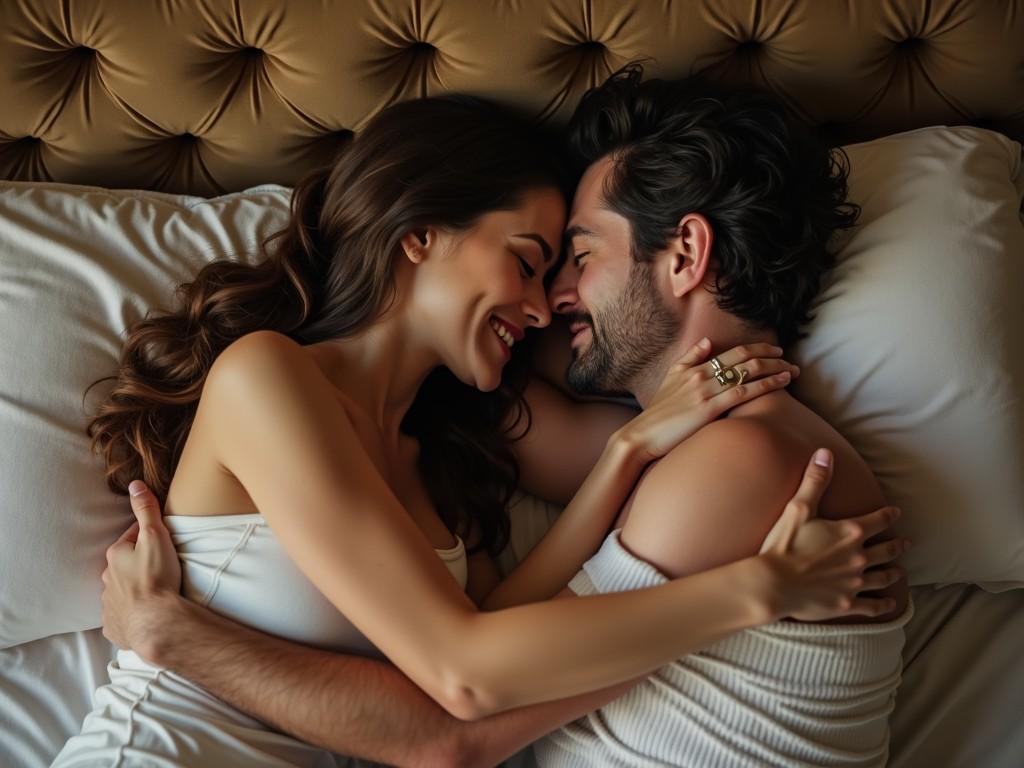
[(212, 96)]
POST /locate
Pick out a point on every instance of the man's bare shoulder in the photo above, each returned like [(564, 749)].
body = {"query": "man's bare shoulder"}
[(712, 499)]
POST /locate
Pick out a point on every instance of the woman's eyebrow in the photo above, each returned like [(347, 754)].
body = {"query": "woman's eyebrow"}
[(545, 249)]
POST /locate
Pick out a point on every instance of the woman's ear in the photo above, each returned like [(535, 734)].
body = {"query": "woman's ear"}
[(417, 243), (689, 254)]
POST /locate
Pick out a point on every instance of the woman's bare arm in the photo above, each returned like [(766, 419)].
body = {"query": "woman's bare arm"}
[(341, 524), (352, 705), (567, 434), (576, 534)]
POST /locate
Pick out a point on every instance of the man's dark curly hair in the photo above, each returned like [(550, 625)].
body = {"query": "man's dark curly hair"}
[(772, 192)]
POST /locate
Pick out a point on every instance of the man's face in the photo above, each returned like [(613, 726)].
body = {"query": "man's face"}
[(619, 320)]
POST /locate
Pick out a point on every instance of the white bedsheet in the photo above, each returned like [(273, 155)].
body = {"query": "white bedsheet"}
[(959, 705)]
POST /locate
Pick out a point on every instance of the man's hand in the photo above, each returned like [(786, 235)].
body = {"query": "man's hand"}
[(142, 567)]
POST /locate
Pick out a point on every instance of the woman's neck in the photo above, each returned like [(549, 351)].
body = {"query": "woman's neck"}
[(380, 370)]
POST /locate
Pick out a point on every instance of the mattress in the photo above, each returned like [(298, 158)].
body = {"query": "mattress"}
[(959, 704)]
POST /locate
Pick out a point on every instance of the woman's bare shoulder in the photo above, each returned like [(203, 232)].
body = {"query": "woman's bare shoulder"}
[(258, 349)]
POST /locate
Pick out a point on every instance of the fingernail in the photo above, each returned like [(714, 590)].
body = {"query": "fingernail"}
[(136, 487), (704, 343), (784, 376), (822, 457), (896, 512)]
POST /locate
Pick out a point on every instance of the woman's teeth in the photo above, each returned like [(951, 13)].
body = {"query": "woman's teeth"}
[(502, 333)]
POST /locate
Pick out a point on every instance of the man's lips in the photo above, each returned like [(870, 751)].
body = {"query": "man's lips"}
[(577, 330)]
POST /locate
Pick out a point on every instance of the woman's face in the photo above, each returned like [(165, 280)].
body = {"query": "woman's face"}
[(486, 289)]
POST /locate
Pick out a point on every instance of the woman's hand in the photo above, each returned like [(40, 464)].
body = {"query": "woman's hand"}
[(819, 567), (690, 397), (142, 567)]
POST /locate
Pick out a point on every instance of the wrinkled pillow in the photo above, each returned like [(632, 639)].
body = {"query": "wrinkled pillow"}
[(77, 266), (916, 354)]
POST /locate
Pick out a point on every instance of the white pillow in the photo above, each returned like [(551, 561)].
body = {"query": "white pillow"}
[(915, 355), (917, 352), (77, 266)]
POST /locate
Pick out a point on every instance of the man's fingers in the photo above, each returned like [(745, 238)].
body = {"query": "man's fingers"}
[(144, 505)]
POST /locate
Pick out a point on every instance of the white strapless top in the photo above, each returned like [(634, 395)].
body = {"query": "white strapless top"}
[(147, 716), (236, 566)]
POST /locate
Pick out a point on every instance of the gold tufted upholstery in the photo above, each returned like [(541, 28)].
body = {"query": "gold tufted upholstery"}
[(211, 96)]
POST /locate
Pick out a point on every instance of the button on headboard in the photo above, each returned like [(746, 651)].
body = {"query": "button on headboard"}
[(211, 96)]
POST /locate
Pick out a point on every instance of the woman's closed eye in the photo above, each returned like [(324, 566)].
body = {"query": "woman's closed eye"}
[(528, 271)]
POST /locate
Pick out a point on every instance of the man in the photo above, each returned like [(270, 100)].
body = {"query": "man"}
[(702, 212)]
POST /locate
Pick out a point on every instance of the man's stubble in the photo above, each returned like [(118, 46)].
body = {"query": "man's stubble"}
[(634, 333)]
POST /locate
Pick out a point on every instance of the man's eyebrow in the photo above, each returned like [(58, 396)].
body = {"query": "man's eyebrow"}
[(545, 249), (574, 230)]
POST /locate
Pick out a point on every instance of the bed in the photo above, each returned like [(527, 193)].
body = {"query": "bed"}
[(212, 97)]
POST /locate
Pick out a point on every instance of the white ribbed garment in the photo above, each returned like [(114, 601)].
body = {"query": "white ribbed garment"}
[(784, 694), (148, 717)]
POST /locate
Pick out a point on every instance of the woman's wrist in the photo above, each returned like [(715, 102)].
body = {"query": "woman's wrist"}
[(624, 447), (760, 589)]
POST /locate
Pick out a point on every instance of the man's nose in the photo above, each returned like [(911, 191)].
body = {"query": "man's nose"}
[(562, 296)]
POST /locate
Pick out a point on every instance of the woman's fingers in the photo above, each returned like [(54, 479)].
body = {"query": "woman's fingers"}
[(697, 353), (724, 398), (803, 506), (871, 606), (886, 551), (747, 352), (873, 580), (875, 522)]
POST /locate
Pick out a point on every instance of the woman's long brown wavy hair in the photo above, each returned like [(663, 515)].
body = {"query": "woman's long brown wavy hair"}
[(442, 162)]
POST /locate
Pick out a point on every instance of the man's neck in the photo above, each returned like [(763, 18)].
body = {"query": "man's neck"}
[(725, 331)]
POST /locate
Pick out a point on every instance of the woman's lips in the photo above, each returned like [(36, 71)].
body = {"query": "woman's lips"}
[(505, 348)]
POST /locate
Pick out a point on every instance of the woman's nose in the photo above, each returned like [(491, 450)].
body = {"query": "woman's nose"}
[(535, 307)]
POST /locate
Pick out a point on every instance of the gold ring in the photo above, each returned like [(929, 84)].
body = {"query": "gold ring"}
[(727, 376)]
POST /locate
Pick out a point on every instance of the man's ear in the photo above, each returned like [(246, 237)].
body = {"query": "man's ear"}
[(689, 254), (416, 244)]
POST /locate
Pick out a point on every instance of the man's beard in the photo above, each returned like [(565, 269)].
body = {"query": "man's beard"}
[(635, 331)]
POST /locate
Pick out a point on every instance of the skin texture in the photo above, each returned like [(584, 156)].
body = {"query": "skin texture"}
[(567, 647)]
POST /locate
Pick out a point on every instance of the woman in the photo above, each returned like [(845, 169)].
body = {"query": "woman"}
[(318, 424)]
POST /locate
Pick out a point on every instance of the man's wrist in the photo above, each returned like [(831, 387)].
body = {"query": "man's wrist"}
[(156, 622)]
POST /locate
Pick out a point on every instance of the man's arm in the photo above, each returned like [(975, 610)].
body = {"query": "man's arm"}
[(351, 705), (713, 498)]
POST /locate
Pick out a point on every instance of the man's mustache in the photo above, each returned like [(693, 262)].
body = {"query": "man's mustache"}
[(579, 317)]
